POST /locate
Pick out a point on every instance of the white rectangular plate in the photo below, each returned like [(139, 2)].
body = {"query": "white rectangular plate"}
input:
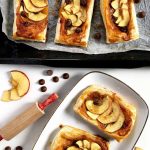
[(66, 116)]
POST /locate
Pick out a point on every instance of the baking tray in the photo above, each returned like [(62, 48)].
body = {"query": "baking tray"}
[(13, 53)]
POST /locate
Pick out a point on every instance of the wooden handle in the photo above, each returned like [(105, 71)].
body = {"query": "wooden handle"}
[(21, 122)]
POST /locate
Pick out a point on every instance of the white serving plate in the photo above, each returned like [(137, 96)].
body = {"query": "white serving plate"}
[(66, 116)]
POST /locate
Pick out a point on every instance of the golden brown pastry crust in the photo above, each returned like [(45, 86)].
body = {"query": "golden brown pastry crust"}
[(26, 29), (68, 135), (128, 110), (113, 34), (75, 39)]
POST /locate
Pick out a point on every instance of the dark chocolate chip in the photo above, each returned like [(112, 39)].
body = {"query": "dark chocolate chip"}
[(137, 1), (49, 72), (7, 148), (41, 81), (65, 76), (97, 36), (83, 2), (43, 89), (68, 1), (55, 79), (19, 148), (78, 30), (68, 23), (141, 14)]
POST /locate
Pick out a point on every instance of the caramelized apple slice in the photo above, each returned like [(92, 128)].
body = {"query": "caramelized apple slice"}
[(73, 148), (98, 109), (6, 96), (76, 6), (29, 6), (117, 125), (112, 117), (80, 144), (95, 146), (14, 94), (39, 3), (91, 115), (68, 7), (86, 144), (115, 4)]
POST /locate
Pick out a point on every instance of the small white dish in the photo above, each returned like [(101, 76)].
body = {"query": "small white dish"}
[(65, 115)]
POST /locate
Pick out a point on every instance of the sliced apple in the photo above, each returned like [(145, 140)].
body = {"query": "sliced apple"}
[(35, 16), (116, 13), (76, 6), (123, 1), (91, 115), (14, 94), (115, 4), (84, 15), (119, 19), (30, 7), (68, 7), (73, 148), (80, 144), (22, 81), (117, 125), (112, 117), (6, 96), (98, 109), (95, 146), (124, 6), (71, 30), (77, 23), (39, 3), (107, 112), (86, 144)]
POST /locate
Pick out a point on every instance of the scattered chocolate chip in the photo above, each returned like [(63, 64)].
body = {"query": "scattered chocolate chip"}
[(97, 36), (49, 72), (65, 76), (123, 29), (19, 148), (43, 89), (7, 148), (60, 126), (78, 30), (68, 23), (68, 1), (83, 2), (41, 81), (24, 14), (141, 14), (55, 79), (137, 1)]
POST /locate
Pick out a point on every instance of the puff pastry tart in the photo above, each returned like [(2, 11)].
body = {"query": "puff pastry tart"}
[(70, 138), (119, 17), (106, 110), (31, 20), (74, 22)]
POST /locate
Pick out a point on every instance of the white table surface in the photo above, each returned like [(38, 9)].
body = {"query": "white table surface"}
[(138, 79)]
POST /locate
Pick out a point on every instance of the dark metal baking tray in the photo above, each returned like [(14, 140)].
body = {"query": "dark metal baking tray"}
[(12, 53)]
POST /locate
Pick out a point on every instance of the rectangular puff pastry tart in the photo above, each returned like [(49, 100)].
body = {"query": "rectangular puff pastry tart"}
[(106, 110), (73, 27), (31, 20), (70, 138), (119, 17)]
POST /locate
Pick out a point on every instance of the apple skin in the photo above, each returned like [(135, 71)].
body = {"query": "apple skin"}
[(32, 1), (26, 78)]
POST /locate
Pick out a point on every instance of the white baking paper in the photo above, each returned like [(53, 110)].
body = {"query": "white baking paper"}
[(95, 46)]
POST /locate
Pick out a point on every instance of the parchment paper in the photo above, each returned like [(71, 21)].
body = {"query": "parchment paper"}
[(95, 46)]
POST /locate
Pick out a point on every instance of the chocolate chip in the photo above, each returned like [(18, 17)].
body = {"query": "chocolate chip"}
[(78, 30), (43, 89), (55, 79), (141, 14), (97, 36), (65, 76), (19, 148), (7, 148), (41, 81), (137, 1), (68, 23), (24, 14), (83, 2), (68, 1), (49, 72)]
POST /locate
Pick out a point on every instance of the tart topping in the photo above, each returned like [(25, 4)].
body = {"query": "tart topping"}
[(75, 14), (121, 12), (141, 14), (85, 145)]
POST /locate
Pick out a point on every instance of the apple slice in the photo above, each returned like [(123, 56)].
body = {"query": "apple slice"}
[(95, 146), (14, 94), (112, 117), (22, 81), (6, 96), (73, 148), (79, 143), (117, 125), (35, 16), (39, 3), (98, 109), (29, 6), (91, 115)]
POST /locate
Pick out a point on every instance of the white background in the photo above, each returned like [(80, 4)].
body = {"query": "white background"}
[(138, 79)]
